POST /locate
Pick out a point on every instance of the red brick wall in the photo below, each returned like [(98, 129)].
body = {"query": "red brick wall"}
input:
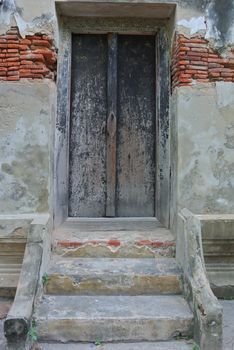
[(194, 60), (33, 57)]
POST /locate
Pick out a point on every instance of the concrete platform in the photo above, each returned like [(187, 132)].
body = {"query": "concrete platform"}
[(171, 345), (118, 237), (221, 277), (228, 324), (112, 318), (108, 276)]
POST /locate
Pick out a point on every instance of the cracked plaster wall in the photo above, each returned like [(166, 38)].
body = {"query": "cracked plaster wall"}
[(205, 148), (26, 117), (203, 117), (30, 17)]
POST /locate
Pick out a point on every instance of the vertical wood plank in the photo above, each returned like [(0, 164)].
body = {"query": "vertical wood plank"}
[(87, 172), (163, 180), (135, 183), (111, 124)]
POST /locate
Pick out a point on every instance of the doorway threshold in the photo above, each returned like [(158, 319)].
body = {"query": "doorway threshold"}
[(113, 237)]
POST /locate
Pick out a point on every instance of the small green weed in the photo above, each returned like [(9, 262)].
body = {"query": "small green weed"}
[(195, 347), (32, 333), (98, 342), (45, 279)]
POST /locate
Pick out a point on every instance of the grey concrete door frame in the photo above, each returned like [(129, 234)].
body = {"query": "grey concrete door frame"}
[(68, 26)]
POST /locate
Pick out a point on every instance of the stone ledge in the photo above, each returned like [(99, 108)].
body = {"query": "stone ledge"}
[(142, 9)]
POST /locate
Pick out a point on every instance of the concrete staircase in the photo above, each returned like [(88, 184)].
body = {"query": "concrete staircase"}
[(114, 281)]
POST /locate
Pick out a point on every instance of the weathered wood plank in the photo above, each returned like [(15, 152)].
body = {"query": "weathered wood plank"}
[(111, 125), (163, 176), (136, 126), (87, 180)]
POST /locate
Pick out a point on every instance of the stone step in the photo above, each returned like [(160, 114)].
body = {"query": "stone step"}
[(221, 277), (170, 345), (113, 238), (107, 276), (112, 318)]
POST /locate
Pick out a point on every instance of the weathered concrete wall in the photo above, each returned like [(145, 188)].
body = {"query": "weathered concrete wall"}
[(205, 129), (26, 119), (30, 17), (202, 128)]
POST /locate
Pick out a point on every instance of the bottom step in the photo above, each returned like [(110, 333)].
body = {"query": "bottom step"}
[(172, 345), (112, 318)]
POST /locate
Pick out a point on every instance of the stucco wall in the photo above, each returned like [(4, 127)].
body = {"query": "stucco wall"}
[(30, 17), (202, 125), (26, 119), (205, 115)]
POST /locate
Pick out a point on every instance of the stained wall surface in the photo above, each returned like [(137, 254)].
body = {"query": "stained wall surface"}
[(201, 108)]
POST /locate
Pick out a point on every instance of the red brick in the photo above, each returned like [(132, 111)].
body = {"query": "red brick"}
[(201, 76), (33, 57), (195, 41), (25, 75), (185, 80), (37, 76), (214, 74), (12, 46), (183, 62), (25, 70), (200, 54), (182, 76), (3, 73), (13, 42), (25, 42), (12, 68), (9, 55), (23, 47), (220, 70), (198, 67), (200, 50), (33, 37), (214, 65), (12, 73), (12, 59), (195, 58), (199, 63), (15, 78), (212, 55), (190, 71), (197, 46), (13, 50), (184, 48), (203, 80), (27, 62), (41, 43), (12, 64), (227, 75)]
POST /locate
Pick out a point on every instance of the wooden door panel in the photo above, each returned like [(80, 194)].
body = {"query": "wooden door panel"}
[(135, 187), (87, 173)]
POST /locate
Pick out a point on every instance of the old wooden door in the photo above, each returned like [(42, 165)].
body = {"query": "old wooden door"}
[(112, 126)]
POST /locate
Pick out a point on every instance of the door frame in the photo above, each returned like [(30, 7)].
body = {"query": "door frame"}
[(82, 25)]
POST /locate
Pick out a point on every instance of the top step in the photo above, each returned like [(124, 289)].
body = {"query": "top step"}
[(115, 237)]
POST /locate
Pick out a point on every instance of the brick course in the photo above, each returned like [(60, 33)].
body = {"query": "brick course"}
[(193, 60), (32, 57)]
